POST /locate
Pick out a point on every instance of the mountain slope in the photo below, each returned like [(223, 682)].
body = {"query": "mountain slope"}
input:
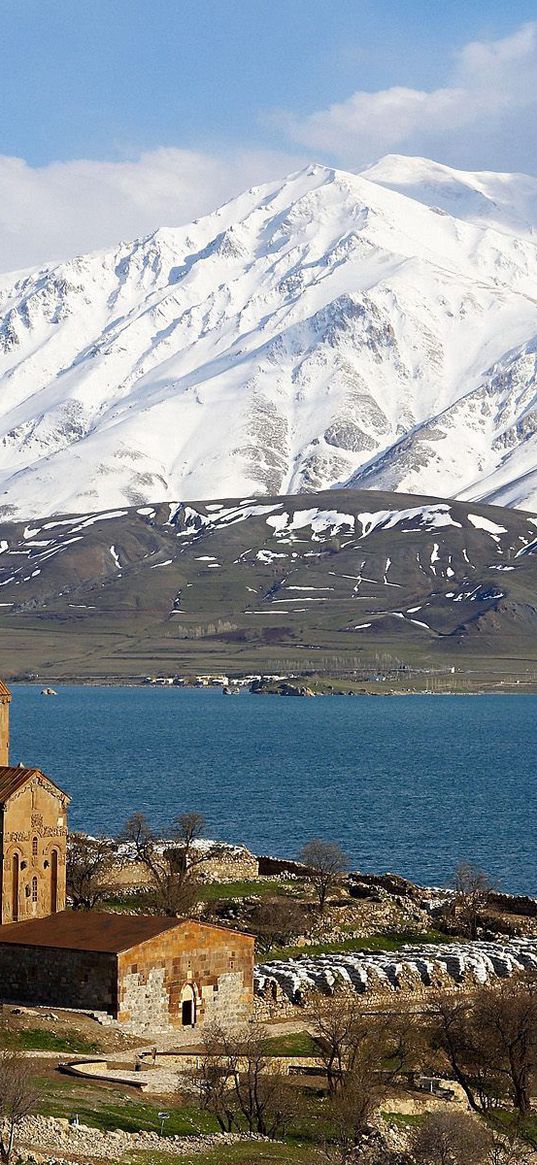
[(507, 202), (332, 582), (310, 333)]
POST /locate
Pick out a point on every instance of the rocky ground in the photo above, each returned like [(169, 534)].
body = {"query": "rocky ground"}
[(67, 1142)]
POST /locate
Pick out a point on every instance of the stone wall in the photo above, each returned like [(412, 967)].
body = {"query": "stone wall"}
[(221, 863), (271, 867), (513, 903), (229, 864), (34, 844), (211, 968), (57, 978)]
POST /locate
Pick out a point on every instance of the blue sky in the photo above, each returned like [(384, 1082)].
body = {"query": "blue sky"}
[(109, 78), (121, 114)]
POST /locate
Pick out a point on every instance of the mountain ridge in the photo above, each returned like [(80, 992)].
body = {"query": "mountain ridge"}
[(331, 582), (310, 333)]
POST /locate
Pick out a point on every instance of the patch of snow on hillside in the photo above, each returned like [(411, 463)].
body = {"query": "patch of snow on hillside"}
[(321, 522), (481, 523), (115, 556), (431, 517), (268, 556)]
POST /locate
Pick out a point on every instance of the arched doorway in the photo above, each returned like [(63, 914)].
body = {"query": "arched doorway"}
[(15, 867), (54, 881), (188, 1006)]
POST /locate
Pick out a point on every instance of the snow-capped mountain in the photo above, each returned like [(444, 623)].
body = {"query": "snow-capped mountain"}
[(376, 329)]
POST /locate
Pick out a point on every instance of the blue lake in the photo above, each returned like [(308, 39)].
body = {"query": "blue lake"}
[(410, 784)]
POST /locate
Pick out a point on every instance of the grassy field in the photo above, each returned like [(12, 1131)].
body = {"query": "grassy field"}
[(292, 1044), (45, 1040), (377, 942), (107, 1108), (219, 891), (255, 1153), (209, 892)]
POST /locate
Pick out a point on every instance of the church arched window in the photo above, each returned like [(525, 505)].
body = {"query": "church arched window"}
[(34, 847), (34, 889)]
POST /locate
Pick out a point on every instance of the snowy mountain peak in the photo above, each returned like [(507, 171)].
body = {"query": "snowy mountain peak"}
[(332, 327), (506, 202)]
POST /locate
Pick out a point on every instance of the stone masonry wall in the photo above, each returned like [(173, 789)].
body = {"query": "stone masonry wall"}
[(57, 978), (211, 968), (34, 825)]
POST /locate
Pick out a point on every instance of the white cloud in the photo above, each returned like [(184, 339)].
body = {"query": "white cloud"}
[(484, 116), (66, 208)]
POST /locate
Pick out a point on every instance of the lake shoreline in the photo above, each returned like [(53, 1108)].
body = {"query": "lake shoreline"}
[(522, 689)]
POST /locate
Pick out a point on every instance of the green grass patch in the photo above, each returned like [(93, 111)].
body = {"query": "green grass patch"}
[(108, 1108), (40, 1039), (292, 1044), (376, 942), (217, 891), (209, 892), (509, 1123), (135, 900), (243, 1153), (403, 1120)]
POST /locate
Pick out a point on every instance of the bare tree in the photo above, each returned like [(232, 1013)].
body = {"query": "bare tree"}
[(240, 1085), (405, 1043), (454, 1032), (472, 891), (451, 1138), (277, 921), (216, 1073), (90, 865), (186, 829), (509, 1149), (490, 1042), (506, 1019), (347, 1038), (19, 1095), (326, 862), (171, 868)]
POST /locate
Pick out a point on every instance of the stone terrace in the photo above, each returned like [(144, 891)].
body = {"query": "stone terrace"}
[(411, 969)]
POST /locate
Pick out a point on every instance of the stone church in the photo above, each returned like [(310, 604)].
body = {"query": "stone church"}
[(33, 815), (153, 973)]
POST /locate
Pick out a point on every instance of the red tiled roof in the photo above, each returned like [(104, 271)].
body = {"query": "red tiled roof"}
[(86, 930), (81, 930), (13, 777)]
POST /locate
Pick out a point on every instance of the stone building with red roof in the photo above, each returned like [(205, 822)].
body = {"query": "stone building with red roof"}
[(153, 973)]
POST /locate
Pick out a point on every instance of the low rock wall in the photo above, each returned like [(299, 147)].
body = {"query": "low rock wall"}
[(51, 1136)]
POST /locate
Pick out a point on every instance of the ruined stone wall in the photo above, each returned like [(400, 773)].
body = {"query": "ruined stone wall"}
[(209, 967), (229, 866), (271, 867), (57, 978), (222, 863)]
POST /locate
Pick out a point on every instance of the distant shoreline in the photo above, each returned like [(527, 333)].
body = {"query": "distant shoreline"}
[(119, 682)]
